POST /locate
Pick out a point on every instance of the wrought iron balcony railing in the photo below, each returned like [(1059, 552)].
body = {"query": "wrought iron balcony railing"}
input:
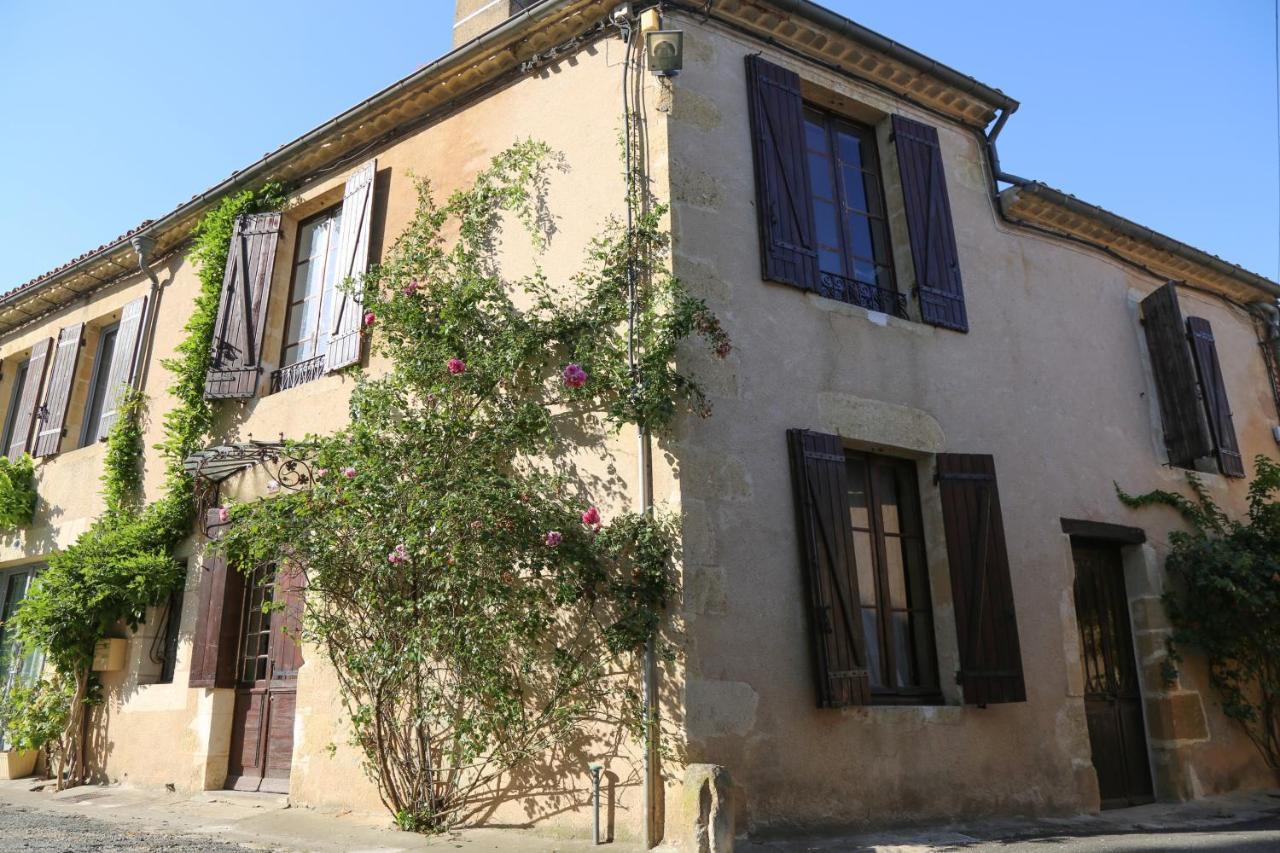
[(869, 296), (296, 374)]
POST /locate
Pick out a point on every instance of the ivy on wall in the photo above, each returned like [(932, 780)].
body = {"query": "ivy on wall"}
[(17, 493)]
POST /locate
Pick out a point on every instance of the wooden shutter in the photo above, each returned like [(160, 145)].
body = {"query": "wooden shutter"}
[(286, 624), (24, 416), (353, 260), (123, 368), (788, 253), (1186, 430), (242, 311), (986, 624), (821, 490), (52, 418), (1214, 391), (217, 637), (929, 225)]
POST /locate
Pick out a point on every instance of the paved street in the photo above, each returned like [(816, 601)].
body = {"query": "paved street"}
[(125, 819)]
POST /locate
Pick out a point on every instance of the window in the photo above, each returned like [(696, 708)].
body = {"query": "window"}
[(893, 582), (315, 276), (851, 232), (17, 668), (94, 429), (11, 416), (164, 649)]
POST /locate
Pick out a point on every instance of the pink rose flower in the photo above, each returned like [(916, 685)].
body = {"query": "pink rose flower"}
[(457, 366), (320, 472), (398, 555), (591, 518), (574, 376), (554, 538), (370, 318), (224, 515), (349, 472), (411, 288)]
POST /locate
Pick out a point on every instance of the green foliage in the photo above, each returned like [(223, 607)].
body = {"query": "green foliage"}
[(1224, 598), (17, 493), (474, 616), (35, 717), (122, 477)]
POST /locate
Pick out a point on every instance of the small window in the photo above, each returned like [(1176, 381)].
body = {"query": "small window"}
[(315, 279), (11, 414), (893, 581), (18, 668), (165, 646), (93, 430), (855, 260)]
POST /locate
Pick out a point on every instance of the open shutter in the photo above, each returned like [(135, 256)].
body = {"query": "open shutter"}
[(242, 310), (929, 225), (353, 260), (213, 651), (821, 490), (1214, 390), (122, 369), (986, 625), (25, 415), (51, 420), (787, 248), (1186, 430)]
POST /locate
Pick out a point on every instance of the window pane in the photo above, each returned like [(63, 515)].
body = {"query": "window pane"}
[(886, 489), (849, 148), (856, 472), (855, 193), (903, 662), (98, 392), (895, 571), (864, 271), (870, 629), (859, 230), (828, 227), (815, 135), (864, 559), (820, 182), (830, 261)]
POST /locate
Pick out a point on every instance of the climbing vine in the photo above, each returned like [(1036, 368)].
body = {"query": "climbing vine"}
[(1223, 598), (124, 564), (17, 493), (477, 605)]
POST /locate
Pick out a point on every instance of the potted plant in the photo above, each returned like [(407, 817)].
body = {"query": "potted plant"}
[(32, 718)]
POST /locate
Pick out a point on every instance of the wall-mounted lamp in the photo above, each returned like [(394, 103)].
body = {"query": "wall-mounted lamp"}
[(665, 50)]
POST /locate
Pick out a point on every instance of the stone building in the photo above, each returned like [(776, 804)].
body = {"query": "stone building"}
[(909, 592)]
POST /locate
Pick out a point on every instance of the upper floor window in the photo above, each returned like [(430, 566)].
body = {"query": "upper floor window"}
[(95, 426), (845, 192), (315, 274), (15, 399)]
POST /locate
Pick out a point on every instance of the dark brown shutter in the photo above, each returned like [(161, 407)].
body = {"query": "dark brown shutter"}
[(51, 420), (929, 225), (1186, 431), (353, 260), (217, 635), (242, 312), (986, 624), (286, 624), (821, 490), (24, 416), (1214, 390), (787, 247), (122, 369)]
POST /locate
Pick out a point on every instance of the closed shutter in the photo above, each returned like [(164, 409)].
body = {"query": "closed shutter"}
[(820, 483), (986, 624), (52, 417), (242, 311), (217, 636), (787, 249), (1214, 391), (24, 416), (286, 625), (353, 260), (1186, 430), (929, 225), (122, 369)]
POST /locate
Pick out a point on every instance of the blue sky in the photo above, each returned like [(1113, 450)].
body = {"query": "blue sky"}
[(1164, 112)]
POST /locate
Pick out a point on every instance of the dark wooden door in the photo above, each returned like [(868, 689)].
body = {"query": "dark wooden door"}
[(1112, 699), (266, 683)]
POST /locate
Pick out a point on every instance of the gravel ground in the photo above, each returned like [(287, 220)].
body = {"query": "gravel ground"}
[(32, 830)]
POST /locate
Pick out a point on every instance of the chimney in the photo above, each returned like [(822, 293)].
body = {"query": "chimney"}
[(474, 17)]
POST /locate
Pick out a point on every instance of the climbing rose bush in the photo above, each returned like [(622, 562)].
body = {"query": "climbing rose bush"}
[(478, 607)]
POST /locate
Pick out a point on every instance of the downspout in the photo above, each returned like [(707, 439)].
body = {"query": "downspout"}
[(144, 245)]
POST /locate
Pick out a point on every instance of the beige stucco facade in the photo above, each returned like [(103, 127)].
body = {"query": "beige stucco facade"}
[(1053, 379)]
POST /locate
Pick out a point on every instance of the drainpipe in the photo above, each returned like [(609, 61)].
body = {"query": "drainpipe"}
[(144, 245)]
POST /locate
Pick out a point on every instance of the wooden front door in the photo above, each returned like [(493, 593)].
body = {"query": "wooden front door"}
[(266, 682), (1112, 699)]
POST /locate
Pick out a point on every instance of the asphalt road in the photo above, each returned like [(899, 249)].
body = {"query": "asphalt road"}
[(1252, 837)]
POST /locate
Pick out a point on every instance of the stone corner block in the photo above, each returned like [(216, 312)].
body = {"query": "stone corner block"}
[(707, 822)]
